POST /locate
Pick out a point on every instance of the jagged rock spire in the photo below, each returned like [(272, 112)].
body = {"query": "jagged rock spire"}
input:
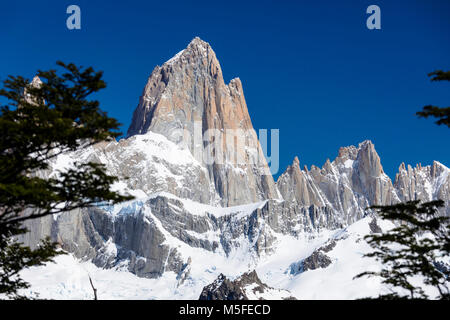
[(174, 88), (35, 83), (186, 98), (424, 183), (347, 185)]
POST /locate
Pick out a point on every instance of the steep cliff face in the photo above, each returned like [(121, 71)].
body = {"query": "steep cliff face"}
[(355, 180), (348, 185), (247, 287), (424, 183), (187, 101)]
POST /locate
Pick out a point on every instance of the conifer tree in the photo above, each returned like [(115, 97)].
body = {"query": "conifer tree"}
[(411, 249), (41, 121), (443, 114), (420, 237)]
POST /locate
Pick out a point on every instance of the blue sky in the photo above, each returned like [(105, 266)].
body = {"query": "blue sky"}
[(310, 68)]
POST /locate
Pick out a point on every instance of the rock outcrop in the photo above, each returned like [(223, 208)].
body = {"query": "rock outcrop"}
[(247, 286), (347, 186), (109, 241), (424, 183), (317, 259)]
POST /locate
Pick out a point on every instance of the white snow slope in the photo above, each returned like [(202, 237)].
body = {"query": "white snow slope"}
[(68, 277)]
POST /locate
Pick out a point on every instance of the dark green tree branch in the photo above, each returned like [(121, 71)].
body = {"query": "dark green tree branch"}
[(442, 114), (411, 248), (42, 121)]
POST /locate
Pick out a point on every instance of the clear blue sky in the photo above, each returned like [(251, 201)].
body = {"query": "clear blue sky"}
[(310, 68)]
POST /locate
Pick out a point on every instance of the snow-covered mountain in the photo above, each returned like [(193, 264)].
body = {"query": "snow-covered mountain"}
[(194, 219), (319, 266), (187, 101)]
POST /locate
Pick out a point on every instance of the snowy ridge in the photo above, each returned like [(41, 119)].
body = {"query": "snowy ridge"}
[(200, 241), (192, 207), (146, 164), (67, 278)]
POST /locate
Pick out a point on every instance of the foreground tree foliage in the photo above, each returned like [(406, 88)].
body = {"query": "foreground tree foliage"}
[(442, 114), (421, 236), (411, 249), (43, 120)]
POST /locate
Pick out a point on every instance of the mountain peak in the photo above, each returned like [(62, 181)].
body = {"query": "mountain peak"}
[(438, 164), (36, 82), (188, 70), (197, 52), (365, 143), (368, 159), (185, 100), (199, 43)]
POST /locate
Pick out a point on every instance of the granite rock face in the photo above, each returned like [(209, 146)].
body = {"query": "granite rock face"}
[(424, 183), (131, 241), (317, 259), (247, 286), (35, 83), (347, 186), (187, 101)]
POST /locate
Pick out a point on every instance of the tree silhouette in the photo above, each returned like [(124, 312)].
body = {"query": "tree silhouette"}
[(419, 238), (443, 114), (411, 248), (44, 119)]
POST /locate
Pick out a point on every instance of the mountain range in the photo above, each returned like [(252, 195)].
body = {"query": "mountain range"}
[(196, 222)]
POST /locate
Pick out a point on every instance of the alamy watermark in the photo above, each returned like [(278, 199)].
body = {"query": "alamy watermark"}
[(231, 147), (235, 147), (74, 20), (374, 20)]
